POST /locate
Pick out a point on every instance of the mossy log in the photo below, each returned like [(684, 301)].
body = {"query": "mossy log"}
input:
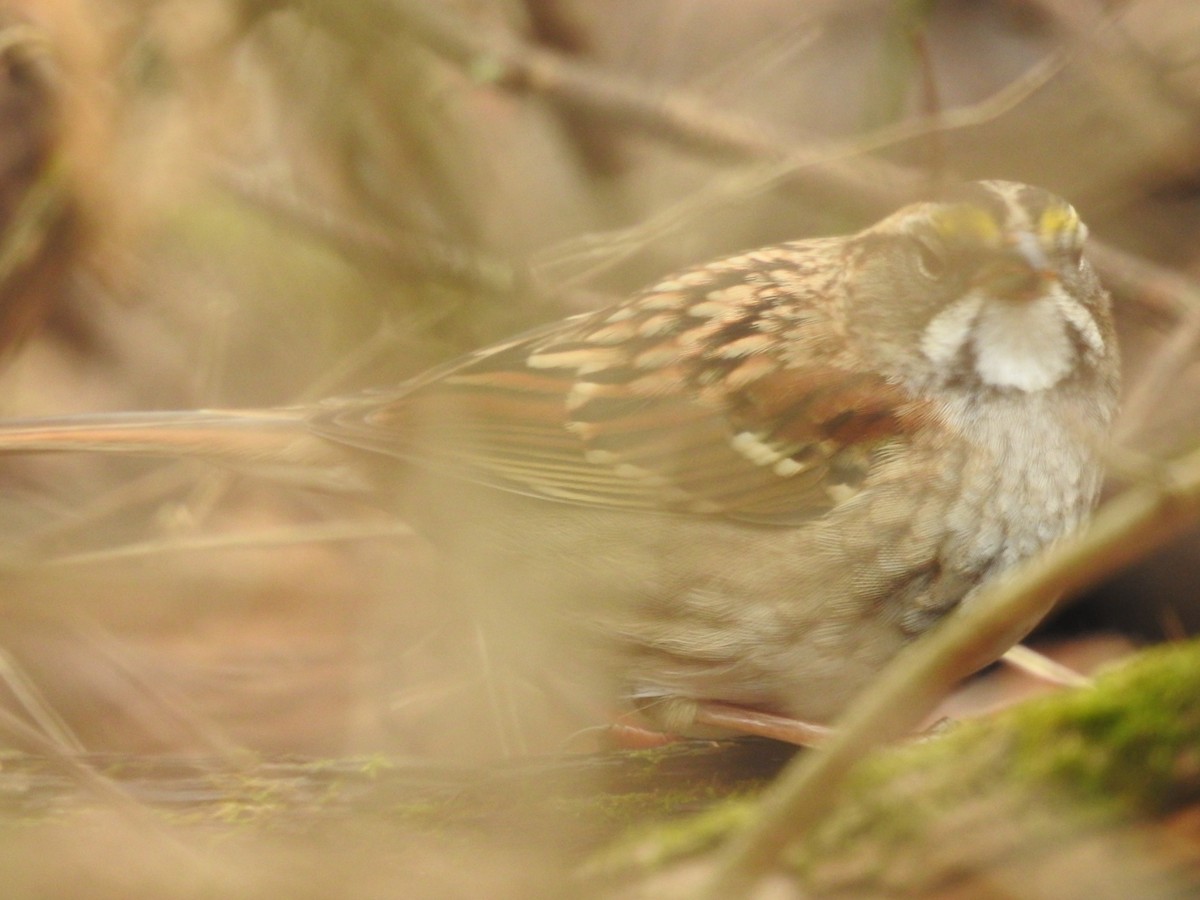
[(1087, 793)]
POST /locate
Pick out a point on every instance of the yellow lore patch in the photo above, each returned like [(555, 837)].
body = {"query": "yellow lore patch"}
[(1057, 219), (963, 222)]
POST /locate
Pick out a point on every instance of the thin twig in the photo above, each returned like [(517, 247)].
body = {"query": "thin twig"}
[(262, 538), (879, 186), (1158, 289), (1175, 354), (170, 706), (1129, 78), (1042, 667), (20, 734), (26, 692), (407, 254)]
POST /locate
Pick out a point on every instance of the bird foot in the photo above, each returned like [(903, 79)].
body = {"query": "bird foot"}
[(713, 719), (760, 724)]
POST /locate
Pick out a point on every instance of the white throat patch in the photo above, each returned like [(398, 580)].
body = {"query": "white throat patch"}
[(1021, 345)]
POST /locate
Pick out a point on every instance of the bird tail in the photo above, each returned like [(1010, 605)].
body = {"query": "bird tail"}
[(276, 442)]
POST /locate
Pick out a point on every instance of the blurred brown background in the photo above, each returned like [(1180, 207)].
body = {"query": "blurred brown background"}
[(221, 203)]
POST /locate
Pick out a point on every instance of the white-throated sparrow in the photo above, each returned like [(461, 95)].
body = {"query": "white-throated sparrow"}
[(755, 481)]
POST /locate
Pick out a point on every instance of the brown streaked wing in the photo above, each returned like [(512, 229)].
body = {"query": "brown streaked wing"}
[(770, 451), (679, 399), (487, 418)]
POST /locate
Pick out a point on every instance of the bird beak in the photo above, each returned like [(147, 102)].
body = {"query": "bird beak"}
[(1019, 270), (1028, 248)]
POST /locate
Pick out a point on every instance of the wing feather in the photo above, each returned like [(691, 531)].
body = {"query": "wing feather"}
[(716, 393)]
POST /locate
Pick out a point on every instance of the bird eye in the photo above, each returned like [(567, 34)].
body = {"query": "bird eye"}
[(931, 260), (1075, 255)]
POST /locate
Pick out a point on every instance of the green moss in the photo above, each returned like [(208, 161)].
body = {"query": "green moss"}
[(648, 847), (1134, 738), (1130, 743)]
